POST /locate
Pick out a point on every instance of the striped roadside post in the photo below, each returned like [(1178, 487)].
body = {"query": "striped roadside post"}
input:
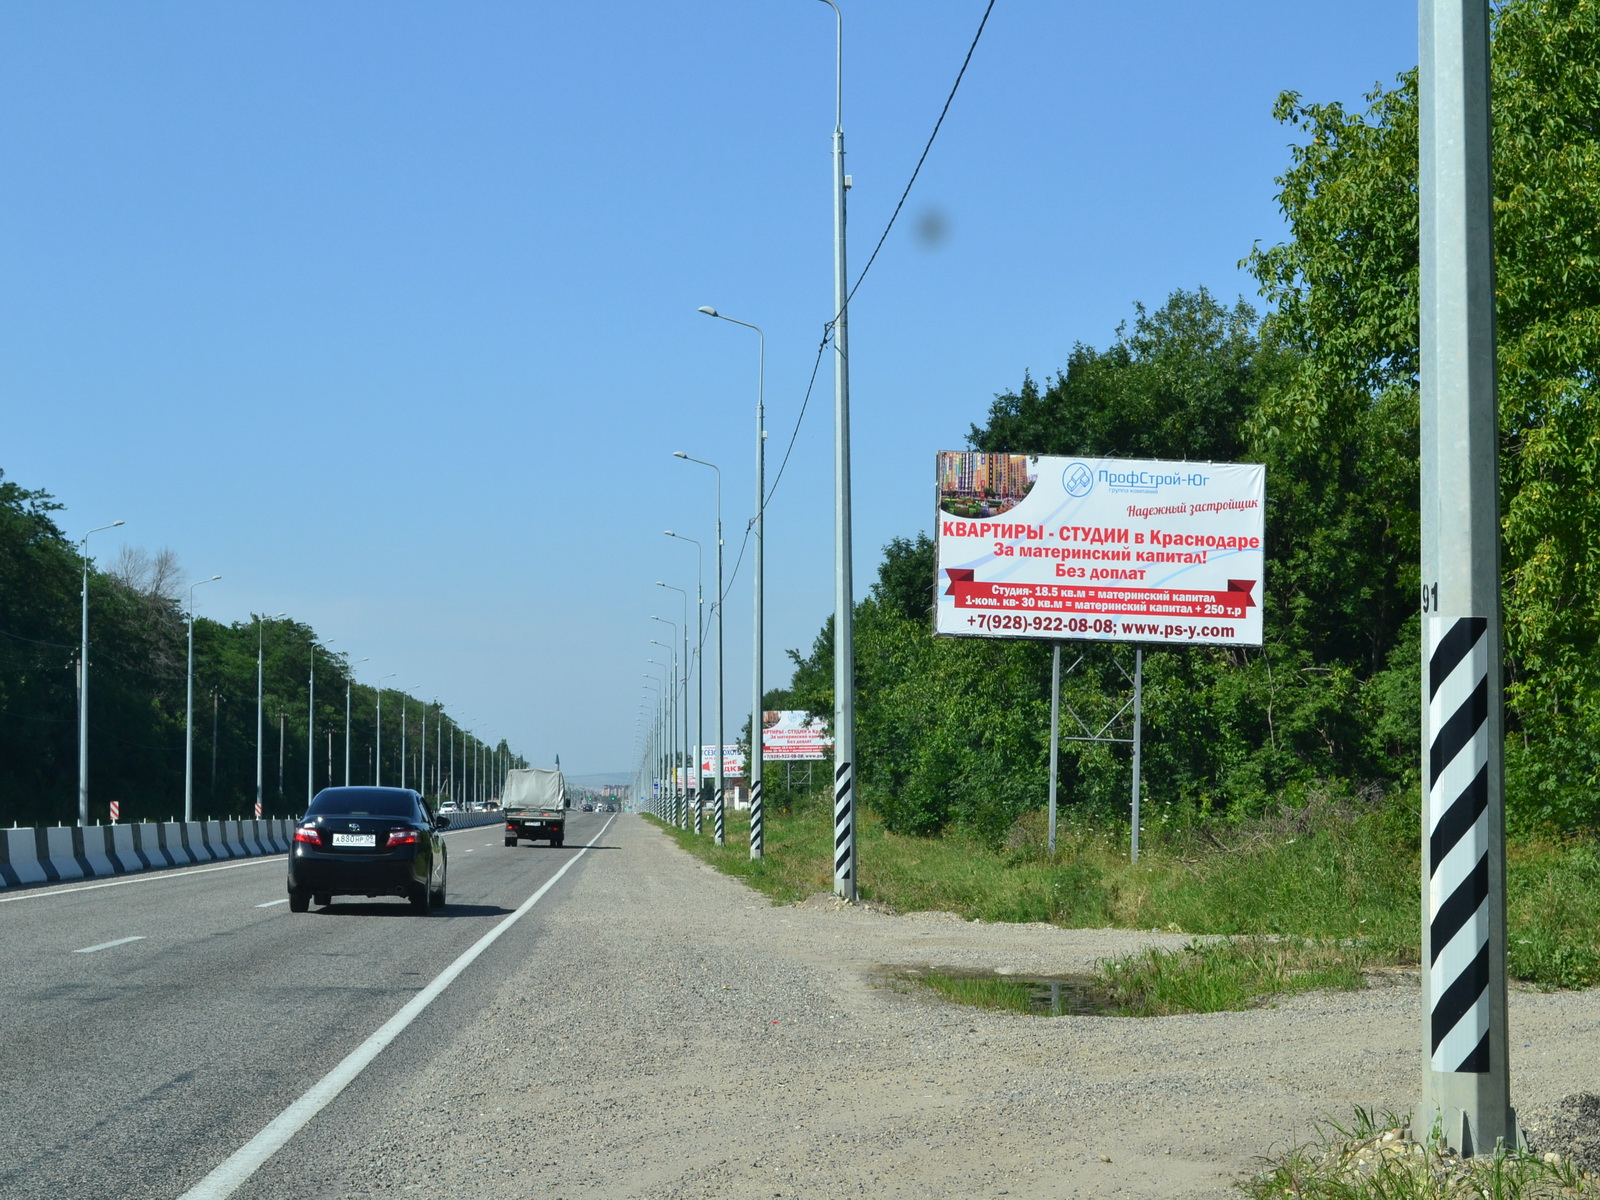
[(1466, 1094)]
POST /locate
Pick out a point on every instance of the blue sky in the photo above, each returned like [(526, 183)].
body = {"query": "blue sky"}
[(386, 312)]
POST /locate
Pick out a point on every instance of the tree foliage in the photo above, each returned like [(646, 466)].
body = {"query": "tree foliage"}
[(138, 691), (1323, 390)]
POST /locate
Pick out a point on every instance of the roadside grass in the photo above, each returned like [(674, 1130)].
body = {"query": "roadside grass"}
[(1372, 1158), (1227, 976), (1334, 884)]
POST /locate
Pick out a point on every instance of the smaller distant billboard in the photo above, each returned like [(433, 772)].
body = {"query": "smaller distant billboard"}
[(732, 761), (794, 735)]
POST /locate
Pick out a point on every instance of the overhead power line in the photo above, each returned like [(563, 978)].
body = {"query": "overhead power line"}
[(827, 330)]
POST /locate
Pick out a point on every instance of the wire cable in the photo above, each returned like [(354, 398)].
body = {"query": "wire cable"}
[(827, 330)]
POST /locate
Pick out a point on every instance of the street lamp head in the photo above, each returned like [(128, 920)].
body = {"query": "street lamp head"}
[(114, 524), (679, 454), (669, 533), (709, 311)]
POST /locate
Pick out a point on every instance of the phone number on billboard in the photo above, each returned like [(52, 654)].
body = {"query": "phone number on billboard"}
[(1041, 624)]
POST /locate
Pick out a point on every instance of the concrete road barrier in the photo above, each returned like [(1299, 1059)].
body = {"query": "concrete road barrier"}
[(64, 853), (57, 855)]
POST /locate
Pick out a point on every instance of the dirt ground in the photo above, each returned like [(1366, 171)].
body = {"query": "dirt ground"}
[(717, 1046)]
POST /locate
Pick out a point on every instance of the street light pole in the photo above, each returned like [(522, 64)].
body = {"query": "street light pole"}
[(684, 684), (718, 607), (422, 765), (188, 714), (700, 677), (651, 743), (664, 738), (758, 701), (377, 753), (348, 679), (261, 675), (311, 723), (844, 701), (83, 687), (679, 819)]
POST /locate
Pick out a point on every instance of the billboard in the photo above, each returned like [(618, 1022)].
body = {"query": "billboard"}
[(1099, 549), (794, 735), (732, 761)]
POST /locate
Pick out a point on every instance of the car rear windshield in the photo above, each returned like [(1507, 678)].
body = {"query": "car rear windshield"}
[(363, 802)]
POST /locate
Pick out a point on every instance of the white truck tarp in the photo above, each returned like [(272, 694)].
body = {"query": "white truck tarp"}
[(535, 788)]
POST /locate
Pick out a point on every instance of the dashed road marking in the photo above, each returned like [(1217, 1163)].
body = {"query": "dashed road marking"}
[(270, 903), (138, 937)]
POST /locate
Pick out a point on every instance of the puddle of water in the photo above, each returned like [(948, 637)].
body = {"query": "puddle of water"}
[(1049, 995)]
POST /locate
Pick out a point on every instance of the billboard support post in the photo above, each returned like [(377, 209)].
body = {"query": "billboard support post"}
[(1466, 1094), (1055, 734), (1138, 731)]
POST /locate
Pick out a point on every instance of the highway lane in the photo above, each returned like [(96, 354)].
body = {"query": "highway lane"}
[(133, 1067)]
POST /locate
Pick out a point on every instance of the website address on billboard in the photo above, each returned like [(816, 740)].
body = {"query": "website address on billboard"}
[(1033, 623)]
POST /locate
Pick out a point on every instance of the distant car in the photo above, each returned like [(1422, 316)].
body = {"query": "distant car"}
[(587, 807), (368, 841), (449, 806)]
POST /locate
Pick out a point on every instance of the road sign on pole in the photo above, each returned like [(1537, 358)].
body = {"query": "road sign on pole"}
[(1466, 1091)]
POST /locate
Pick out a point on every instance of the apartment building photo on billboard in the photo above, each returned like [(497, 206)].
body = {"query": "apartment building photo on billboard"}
[(976, 485)]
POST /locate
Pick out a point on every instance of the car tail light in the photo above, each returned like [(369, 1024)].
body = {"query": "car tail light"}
[(309, 835), (510, 828), (402, 837)]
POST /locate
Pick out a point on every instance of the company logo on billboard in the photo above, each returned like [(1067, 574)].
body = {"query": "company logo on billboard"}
[(1077, 480), (1150, 482)]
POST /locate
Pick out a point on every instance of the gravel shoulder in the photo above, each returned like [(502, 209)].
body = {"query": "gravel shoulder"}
[(709, 1044)]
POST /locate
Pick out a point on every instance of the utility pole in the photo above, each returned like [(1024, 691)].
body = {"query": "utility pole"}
[(1466, 1092), (844, 664)]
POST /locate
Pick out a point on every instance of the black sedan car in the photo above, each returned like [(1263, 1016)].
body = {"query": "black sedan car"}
[(368, 841)]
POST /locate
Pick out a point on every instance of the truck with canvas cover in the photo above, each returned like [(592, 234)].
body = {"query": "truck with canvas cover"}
[(535, 806)]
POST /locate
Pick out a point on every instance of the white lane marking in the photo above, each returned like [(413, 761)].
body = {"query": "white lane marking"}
[(139, 937), (234, 1170), (166, 874), (470, 849), (270, 903)]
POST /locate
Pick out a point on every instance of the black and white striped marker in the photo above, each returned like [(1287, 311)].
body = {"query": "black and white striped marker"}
[(755, 819), (843, 830), (1458, 842)]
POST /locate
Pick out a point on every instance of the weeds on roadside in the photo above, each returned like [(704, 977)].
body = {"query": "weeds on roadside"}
[(1227, 975), (1372, 1158), (1335, 870)]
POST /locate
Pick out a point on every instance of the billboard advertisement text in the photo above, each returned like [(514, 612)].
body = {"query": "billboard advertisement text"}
[(1099, 549)]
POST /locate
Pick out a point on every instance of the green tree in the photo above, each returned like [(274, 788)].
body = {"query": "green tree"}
[(1344, 288)]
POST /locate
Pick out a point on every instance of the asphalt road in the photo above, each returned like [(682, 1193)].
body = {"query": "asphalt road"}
[(132, 1068)]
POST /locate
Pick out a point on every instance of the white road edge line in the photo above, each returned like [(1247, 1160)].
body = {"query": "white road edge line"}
[(270, 903), (234, 1170), (167, 874), (138, 937)]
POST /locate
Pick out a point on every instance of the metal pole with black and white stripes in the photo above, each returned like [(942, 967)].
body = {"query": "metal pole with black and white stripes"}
[(844, 683), (1466, 1092)]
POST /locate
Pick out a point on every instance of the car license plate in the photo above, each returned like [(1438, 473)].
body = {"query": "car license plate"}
[(355, 839)]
